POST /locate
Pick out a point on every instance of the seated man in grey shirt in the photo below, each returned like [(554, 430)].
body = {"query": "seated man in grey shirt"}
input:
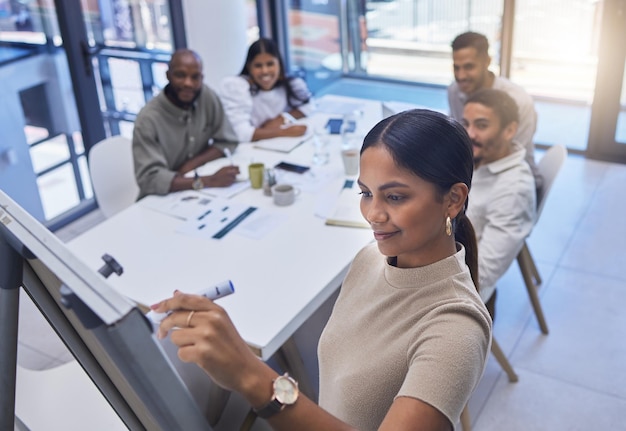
[(471, 60), (180, 129)]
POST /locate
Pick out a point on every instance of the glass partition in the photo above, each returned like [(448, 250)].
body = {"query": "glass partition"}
[(620, 130), (554, 43), (132, 24), (315, 40), (253, 31), (405, 40), (127, 41)]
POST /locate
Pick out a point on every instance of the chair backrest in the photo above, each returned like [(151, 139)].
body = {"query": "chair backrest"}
[(113, 174), (548, 167)]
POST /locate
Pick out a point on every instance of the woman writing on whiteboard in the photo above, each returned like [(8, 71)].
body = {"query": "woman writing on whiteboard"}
[(408, 337), (262, 101)]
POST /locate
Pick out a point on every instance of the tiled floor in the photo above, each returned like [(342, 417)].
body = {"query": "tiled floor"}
[(572, 379)]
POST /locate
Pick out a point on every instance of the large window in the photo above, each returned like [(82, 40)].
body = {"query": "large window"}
[(315, 40), (555, 47), (129, 43), (24, 21), (399, 39), (554, 52), (410, 40)]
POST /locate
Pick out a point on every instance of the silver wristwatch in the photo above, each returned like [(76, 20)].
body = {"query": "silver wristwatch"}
[(285, 394)]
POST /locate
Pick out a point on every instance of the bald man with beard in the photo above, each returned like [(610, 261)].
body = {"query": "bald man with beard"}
[(180, 129)]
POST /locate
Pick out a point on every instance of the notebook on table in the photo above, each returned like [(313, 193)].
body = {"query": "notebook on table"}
[(347, 211)]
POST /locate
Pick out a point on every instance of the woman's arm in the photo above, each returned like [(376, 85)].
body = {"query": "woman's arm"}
[(211, 153), (224, 177), (210, 340), (276, 127), (234, 92)]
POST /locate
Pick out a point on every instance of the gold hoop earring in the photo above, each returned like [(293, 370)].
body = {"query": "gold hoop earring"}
[(448, 226)]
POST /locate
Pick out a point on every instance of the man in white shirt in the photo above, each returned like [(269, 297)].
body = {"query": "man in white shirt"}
[(471, 60), (502, 199)]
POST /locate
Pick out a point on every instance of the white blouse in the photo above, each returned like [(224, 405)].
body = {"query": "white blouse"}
[(247, 111)]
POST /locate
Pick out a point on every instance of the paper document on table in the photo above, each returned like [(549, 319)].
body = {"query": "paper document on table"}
[(347, 210), (184, 205), (311, 181), (283, 144), (259, 224), (218, 220), (226, 192), (332, 106)]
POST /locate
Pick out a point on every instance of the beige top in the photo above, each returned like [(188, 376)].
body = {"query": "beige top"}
[(416, 332)]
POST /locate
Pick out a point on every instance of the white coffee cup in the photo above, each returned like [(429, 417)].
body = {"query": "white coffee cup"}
[(351, 158), (284, 194)]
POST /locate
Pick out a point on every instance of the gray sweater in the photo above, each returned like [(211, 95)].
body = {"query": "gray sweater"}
[(166, 136)]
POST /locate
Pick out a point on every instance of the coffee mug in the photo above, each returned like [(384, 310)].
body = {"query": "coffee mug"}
[(284, 194), (255, 170), (351, 160)]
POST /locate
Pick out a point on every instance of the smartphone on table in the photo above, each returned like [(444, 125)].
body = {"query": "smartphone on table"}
[(292, 167)]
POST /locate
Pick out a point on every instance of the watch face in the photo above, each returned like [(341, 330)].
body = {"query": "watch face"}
[(286, 390), (197, 184)]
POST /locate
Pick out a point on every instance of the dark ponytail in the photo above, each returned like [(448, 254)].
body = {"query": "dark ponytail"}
[(437, 149), (464, 233)]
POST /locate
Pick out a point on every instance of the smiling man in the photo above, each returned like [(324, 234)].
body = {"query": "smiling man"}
[(502, 198), (180, 129), (471, 60)]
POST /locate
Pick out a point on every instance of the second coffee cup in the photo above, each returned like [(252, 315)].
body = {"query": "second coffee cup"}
[(284, 194), (351, 160)]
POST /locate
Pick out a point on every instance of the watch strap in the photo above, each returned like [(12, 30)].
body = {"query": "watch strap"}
[(269, 409), (277, 404), (197, 183)]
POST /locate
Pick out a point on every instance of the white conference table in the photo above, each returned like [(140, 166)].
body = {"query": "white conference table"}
[(280, 279)]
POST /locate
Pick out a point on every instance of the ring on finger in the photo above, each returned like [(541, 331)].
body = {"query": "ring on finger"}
[(189, 318)]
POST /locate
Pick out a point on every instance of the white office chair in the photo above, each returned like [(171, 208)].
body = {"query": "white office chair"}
[(113, 174), (549, 166)]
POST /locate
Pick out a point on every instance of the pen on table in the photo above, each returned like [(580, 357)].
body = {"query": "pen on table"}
[(287, 118), (308, 138), (229, 155)]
